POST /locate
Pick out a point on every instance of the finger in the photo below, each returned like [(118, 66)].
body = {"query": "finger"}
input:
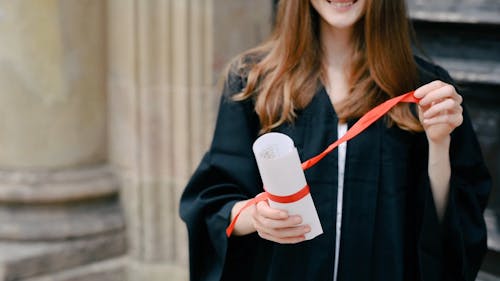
[(281, 223), (453, 120), (447, 105), (425, 89), (287, 240), (286, 232), (436, 95), (263, 209)]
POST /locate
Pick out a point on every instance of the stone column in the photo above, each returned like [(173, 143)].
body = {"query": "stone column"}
[(164, 59), (59, 208)]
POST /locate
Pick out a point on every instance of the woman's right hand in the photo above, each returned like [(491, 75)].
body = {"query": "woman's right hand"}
[(271, 224), (276, 225)]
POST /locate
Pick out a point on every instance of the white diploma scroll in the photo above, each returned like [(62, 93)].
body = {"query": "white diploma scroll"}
[(282, 175)]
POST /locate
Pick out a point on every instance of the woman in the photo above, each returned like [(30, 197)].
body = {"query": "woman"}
[(407, 201)]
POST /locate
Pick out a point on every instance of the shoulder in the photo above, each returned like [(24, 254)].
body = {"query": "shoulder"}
[(429, 71)]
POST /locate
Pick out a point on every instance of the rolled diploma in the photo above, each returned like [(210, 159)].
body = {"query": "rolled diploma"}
[(282, 175)]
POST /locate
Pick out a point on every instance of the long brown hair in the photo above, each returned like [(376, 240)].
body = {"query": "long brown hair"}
[(289, 71)]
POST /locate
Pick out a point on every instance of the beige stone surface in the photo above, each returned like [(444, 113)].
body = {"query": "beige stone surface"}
[(52, 103), (29, 222), (30, 260), (164, 57), (59, 207), (109, 270), (156, 272), (57, 186), (32, 48), (158, 61)]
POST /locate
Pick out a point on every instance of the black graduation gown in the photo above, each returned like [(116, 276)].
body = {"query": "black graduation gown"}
[(390, 230)]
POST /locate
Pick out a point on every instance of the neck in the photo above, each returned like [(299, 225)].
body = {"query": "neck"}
[(337, 46)]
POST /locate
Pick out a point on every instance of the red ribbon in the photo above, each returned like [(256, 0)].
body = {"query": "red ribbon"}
[(290, 198), (364, 122)]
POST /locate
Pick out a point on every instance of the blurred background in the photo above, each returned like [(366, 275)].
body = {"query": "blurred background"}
[(106, 107)]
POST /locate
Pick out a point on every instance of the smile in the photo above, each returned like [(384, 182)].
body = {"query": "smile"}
[(341, 4)]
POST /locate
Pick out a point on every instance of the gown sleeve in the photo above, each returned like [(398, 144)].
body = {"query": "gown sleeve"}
[(227, 174), (454, 248)]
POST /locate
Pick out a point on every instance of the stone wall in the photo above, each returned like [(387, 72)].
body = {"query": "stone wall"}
[(59, 207), (163, 64), (105, 110)]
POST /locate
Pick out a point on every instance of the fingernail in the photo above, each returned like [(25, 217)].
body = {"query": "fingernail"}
[(307, 228), (283, 215)]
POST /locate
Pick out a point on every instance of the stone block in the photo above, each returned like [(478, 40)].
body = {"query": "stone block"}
[(19, 261), (49, 204), (468, 52), (110, 270), (156, 272), (469, 11)]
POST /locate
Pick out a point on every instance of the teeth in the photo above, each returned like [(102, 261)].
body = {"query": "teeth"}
[(341, 4)]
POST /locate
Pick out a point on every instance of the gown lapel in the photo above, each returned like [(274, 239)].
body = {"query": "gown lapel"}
[(361, 183)]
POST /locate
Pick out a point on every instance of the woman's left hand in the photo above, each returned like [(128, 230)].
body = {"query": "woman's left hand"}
[(440, 110)]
